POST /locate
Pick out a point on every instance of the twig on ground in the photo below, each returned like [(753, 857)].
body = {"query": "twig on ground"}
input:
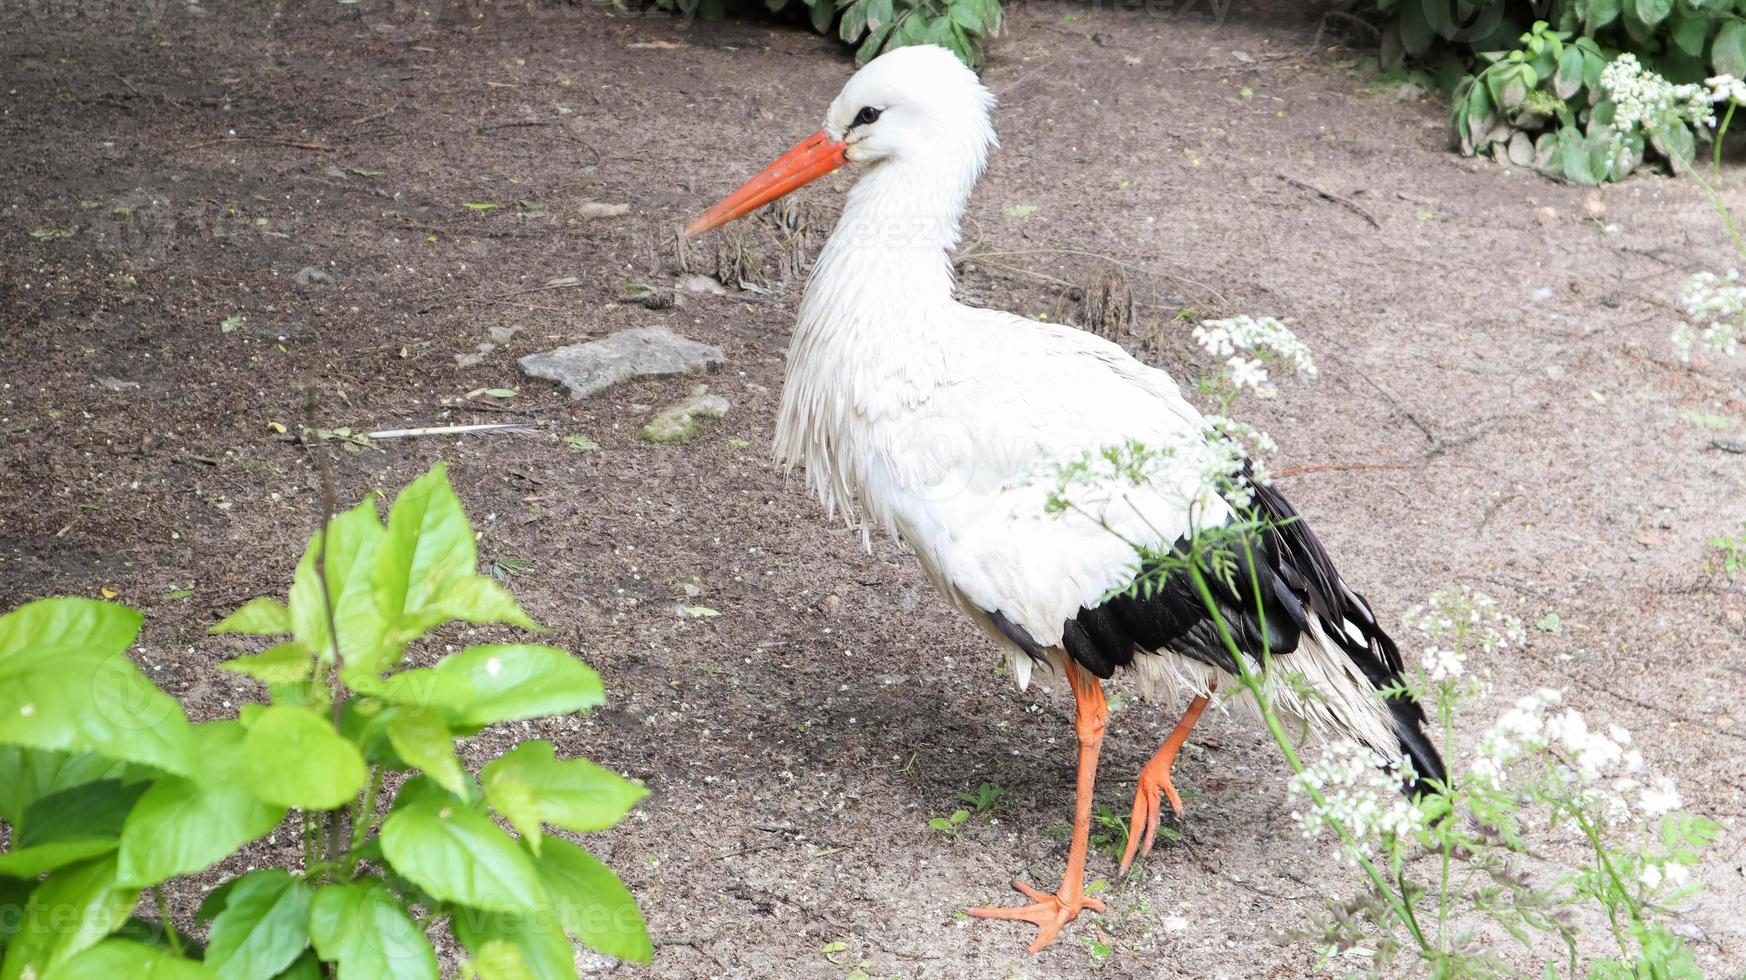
[(294, 144), (502, 428), (515, 124), (1327, 195), (1339, 468)]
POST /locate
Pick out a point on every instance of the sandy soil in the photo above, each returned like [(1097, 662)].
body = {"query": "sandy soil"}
[(1498, 340)]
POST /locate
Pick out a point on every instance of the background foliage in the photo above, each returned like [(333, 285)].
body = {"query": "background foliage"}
[(1525, 74), (875, 26)]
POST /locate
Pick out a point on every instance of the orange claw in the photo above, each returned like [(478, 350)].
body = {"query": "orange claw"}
[(1155, 779), (1049, 913)]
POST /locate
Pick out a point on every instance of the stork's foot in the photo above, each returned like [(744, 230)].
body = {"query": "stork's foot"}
[(1049, 913), (1154, 788), (1155, 783)]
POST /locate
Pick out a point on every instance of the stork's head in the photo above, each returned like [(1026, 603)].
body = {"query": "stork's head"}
[(914, 107)]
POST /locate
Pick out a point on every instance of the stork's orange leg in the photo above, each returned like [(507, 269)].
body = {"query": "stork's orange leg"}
[(1051, 912), (1155, 779)]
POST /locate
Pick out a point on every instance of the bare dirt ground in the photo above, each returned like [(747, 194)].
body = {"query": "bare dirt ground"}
[(1498, 339)]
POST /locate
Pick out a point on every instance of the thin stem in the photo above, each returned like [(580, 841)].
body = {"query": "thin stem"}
[(1721, 131), (364, 820), (169, 925), (1600, 853), (335, 830), (1276, 728)]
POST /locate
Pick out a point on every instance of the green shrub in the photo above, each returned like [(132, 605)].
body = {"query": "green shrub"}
[(110, 791), (1530, 86), (876, 26)]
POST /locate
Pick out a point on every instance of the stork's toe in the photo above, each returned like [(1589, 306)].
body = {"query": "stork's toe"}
[(1048, 912)]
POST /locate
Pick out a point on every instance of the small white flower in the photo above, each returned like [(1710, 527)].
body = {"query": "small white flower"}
[(1726, 88), (1716, 308), (1650, 877), (1660, 798), (1444, 663)]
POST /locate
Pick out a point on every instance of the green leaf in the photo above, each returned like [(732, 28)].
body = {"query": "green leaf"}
[(94, 809), (1728, 50), (854, 22), (822, 12), (286, 663), (530, 787), (1567, 81), (364, 723), (70, 825), (14, 893), (1676, 142), (182, 826), (263, 928), (458, 855), (479, 599), (83, 625), (592, 904), (27, 775), (1576, 163), (1416, 33), (361, 927), (31, 862), (353, 541), (71, 687), (428, 546), (257, 617), (294, 758), (966, 15), (1600, 13), (1690, 33), (483, 685), (305, 967), (1650, 12), (423, 740), (511, 947), (123, 959), (72, 910)]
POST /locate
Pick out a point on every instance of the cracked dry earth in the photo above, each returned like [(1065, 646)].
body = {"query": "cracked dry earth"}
[(1494, 352)]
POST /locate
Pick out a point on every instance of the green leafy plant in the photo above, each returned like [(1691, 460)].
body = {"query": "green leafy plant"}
[(1733, 550), (876, 26), (984, 800), (1568, 107), (110, 791), (950, 824), (1529, 73)]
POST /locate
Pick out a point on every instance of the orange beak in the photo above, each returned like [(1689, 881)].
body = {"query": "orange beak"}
[(811, 159)]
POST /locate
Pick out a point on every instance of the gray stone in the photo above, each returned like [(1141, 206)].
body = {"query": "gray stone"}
[(309, 275), (679, 423), (599, 364)]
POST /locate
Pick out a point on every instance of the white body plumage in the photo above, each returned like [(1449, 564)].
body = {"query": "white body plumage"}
[(911, 411)]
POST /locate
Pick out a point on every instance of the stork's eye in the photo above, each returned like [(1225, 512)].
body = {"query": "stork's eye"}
[(866, 117)]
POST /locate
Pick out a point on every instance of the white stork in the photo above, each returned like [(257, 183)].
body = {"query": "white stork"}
[(932, 417)]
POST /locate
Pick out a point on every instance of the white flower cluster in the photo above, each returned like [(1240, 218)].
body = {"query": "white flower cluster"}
[(1716, 306), (1726, 88), (1269, 339), (1457, 619), (1604, 766), (1644, 101), (1357, 794)]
